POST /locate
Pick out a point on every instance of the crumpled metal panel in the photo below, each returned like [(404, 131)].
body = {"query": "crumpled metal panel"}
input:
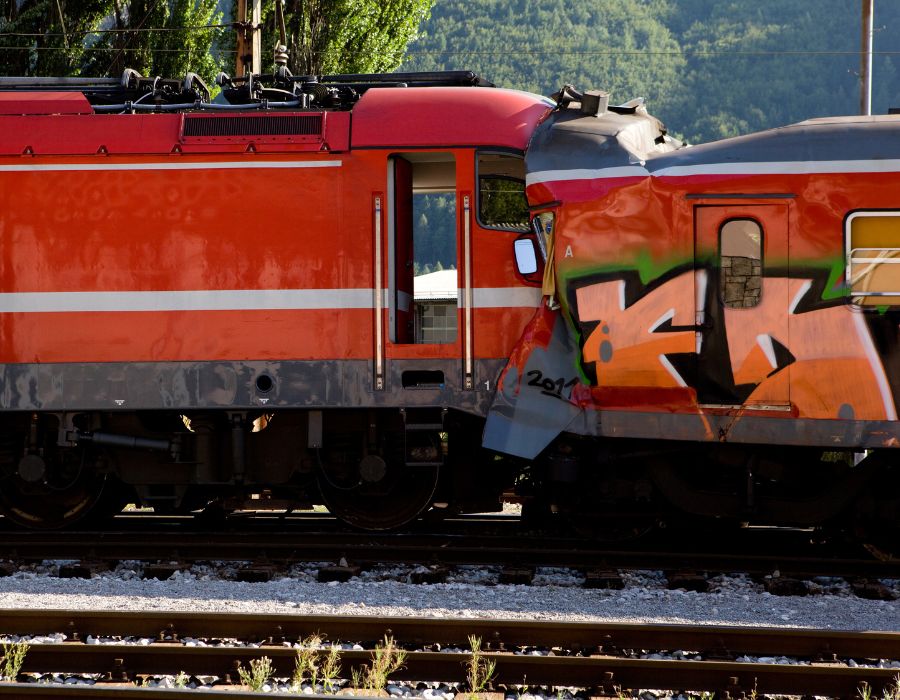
[(533, 403)]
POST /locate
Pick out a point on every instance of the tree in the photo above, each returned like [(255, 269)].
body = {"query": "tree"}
[(171, 37), (63, 37), (46, 37), (348, 36), (622, 46), (184, 42), (708, 68), (757, 64)]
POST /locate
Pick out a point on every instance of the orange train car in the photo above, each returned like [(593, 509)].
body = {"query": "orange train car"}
[(721, 335), (207, 301)]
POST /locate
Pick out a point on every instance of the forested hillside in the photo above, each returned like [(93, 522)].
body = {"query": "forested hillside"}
[(708, 68)]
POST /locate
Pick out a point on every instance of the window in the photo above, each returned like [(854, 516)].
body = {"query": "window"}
[(501, 192), (873, 254), (740, 263), (435, 321)]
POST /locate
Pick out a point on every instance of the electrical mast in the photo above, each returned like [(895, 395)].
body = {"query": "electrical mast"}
[(249, 45), (865, 57)]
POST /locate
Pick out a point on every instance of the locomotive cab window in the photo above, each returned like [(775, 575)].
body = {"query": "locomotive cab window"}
[(424, 288), (740, 263), (873, 258), (501, 192)]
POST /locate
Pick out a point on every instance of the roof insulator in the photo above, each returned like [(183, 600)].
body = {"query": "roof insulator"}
[(281, 55)]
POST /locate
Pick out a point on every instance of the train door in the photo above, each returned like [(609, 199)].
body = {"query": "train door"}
[(422, 267), (742, 305)]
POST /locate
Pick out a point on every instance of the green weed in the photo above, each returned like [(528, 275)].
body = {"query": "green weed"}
[(386, 659), (260, 671), (13, 658), (479, 670)]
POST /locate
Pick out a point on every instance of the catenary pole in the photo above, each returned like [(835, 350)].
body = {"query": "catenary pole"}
[(249, 45), (865, 57)]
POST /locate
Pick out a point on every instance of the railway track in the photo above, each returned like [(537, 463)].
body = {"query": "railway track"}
[(280, 542), (601, 659)]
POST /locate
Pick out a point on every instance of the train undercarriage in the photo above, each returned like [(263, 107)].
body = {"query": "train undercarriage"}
[(380, 469)]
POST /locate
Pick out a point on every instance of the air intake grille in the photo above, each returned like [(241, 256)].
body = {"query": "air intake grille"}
[(293, 125)]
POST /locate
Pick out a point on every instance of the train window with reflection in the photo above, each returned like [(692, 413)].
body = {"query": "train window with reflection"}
[(501, 192), (873, 258), (740, 263)]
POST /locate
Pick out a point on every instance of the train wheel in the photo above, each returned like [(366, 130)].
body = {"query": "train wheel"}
[(377, 494), (876, 514), (53, 493)]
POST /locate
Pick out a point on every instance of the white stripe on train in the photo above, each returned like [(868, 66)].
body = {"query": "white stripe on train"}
[(236, 300), (172, 165), (736, 169)]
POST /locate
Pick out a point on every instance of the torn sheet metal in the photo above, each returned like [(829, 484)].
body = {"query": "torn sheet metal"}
[(533, 403)]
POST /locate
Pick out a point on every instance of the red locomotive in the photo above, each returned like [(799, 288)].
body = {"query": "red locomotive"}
[(202, 301)]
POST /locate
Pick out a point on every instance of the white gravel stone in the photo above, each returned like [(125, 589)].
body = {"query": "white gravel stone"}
[(470, 592)]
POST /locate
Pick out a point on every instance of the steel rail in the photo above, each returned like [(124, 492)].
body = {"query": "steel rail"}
[(286, 546), (581, 671), (497, 634), (128, 692), (589, 655)]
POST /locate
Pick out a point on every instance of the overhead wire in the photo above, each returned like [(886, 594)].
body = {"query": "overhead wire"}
[(96, 48), (126, 46), (455, 52), (229, 25)]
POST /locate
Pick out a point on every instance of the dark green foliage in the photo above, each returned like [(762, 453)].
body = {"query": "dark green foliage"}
[(434, 232), (502, 202), (323, 36), (46, 49), (72, 46), (170, 53), (539, 46), (345, 36), (754, 65), (708, 68)]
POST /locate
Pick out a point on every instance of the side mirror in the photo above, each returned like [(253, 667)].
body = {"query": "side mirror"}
[(526, 256)]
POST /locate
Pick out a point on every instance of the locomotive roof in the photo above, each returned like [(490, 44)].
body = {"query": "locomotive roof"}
[(423, 110), (627, 141), (400, 110), (446, 116)]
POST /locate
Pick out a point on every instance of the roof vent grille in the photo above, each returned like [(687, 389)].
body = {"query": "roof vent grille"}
[(282, 125)]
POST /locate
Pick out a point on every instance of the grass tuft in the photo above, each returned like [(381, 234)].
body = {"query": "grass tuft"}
[(479, 671), (260, 671), (386, 659), (13, 658)]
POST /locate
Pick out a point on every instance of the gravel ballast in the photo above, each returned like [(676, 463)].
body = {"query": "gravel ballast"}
[(733, 600)]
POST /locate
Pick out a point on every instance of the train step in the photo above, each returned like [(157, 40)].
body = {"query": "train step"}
[(423, 442)]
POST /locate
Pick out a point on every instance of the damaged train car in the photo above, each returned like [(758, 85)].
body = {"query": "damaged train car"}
[(209, 302), (721, 331)]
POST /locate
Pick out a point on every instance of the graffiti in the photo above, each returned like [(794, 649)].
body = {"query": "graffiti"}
[(548, 386), (776, 353), (629, 343)]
